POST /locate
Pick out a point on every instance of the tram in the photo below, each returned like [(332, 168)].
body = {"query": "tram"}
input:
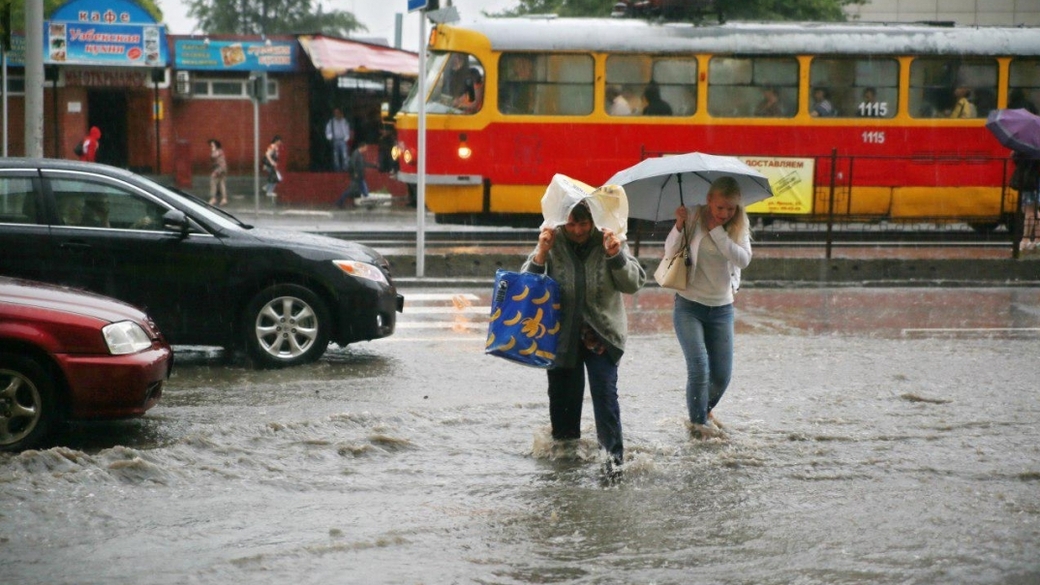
[(863, 122)]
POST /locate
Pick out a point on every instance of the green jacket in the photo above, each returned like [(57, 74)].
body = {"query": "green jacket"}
[(590, 292)]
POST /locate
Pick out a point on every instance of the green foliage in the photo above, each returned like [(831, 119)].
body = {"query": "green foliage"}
[(823, 10), (254, 17)]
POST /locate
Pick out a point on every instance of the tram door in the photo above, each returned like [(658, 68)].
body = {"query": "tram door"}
[(107, 109)]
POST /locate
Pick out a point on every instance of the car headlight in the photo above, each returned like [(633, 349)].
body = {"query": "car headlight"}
[(125, 337), (361, 270)]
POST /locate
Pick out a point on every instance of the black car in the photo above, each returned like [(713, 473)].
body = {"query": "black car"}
[(204, 276)]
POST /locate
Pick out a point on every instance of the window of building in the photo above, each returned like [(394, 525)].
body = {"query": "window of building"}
[(229, 88), (854, 87), (545, 84), (1024, 84), (950, 87), (15, 85), (753, 86), (663, 86)]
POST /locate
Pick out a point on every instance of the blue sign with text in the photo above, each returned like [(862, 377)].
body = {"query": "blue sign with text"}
[(414, 5)]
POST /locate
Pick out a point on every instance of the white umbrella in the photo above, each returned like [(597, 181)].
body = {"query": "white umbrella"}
[(608, 204), (657, 186)]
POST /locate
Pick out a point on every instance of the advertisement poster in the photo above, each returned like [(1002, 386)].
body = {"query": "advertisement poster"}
[(207, 55), (90, 43), (791, 180)]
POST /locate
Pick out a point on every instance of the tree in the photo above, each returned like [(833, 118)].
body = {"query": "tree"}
[(825, 10), (269, 17)]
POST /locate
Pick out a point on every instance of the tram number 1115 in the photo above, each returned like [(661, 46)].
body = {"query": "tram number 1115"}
[(874, 137)]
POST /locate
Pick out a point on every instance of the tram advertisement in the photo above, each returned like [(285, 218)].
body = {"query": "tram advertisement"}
[(791, 180)]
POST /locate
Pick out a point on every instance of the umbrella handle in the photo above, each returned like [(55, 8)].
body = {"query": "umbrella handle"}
[(678, 177)]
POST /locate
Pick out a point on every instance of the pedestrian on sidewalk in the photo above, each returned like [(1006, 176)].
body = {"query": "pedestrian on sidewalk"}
[(593, 268), (337, 132), (270, 165), (218, 176), (87, 151), (356, 166), (720, 247)]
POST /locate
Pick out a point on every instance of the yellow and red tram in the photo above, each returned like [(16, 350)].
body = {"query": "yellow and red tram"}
[(861, 121)]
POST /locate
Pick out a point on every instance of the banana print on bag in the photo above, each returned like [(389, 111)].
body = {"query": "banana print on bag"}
[(525, 318)]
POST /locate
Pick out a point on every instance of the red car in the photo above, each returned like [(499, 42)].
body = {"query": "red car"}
[(67, 354)]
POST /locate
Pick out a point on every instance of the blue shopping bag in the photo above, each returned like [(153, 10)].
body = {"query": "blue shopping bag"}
[(525, 318)]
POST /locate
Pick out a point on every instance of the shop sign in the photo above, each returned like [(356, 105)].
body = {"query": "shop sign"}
[(208, 55), (89, 43), (109, 78)]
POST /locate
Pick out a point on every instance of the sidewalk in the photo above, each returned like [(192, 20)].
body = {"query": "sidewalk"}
[(910, 265)]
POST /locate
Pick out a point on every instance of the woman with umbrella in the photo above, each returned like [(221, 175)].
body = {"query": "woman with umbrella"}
[(719, 247)]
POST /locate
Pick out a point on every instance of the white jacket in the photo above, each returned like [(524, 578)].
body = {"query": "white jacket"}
[(738, 254)]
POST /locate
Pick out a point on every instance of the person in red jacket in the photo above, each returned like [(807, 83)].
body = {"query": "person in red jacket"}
[(90, 145)]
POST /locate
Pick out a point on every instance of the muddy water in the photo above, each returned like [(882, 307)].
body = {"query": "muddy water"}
[(874, 436)]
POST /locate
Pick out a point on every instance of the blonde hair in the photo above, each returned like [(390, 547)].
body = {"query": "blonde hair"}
[(739, 225)]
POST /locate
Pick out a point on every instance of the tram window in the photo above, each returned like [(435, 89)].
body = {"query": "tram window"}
[(952, 88), (1024, 84), (457, 83), (629, 76), (857, 87), (545, 84), (752, 86)]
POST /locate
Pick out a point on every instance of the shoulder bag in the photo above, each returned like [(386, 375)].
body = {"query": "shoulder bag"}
[(525, 318), (671, 272)]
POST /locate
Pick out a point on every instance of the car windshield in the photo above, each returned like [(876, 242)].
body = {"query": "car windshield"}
[(213, 214)]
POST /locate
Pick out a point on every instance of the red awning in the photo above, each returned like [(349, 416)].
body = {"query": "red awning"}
[(335, 57)]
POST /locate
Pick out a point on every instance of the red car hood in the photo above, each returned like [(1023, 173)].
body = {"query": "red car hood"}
[(36, 294)]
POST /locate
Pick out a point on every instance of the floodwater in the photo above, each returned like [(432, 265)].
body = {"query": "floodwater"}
[(874, 436)]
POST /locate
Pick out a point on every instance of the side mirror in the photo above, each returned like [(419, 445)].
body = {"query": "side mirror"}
[(174, 220)]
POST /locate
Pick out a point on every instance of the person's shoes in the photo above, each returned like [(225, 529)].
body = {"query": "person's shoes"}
[(212, 201), (223, 203), (612, 471), (704, 432)]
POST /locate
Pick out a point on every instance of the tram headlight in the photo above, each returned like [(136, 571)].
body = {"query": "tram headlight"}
[(464, 150), (395, 152), (407, 156)]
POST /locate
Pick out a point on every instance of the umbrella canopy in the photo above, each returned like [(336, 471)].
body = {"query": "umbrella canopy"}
[(657, 186), (1017, 129), (608, 204)]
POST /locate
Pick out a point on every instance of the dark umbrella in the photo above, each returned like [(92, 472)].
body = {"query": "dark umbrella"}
[(1017, 129)]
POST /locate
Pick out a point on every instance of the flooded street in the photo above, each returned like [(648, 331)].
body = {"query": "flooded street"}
[(874, 436)]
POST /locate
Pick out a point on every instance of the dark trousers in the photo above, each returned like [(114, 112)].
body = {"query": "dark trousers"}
[(567, 390)]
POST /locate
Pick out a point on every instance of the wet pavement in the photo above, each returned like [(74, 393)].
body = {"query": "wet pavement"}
[(882, 435)]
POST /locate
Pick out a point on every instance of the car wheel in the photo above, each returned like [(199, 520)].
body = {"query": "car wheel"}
[(27, 406), (286, 325)]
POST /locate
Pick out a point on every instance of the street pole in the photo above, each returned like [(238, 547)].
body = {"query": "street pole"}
[(34, 79), (420, 204)]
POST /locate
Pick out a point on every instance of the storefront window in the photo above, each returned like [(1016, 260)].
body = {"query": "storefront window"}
[(848, 87), (942, 87), (765, 87), (670, 83)]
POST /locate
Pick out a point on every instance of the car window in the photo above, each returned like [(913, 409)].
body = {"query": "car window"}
[(17, 201), (84, 203)]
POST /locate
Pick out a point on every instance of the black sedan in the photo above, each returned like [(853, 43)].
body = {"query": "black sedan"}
[(203, 275)]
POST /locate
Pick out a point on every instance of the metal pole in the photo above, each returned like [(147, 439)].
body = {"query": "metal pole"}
[(5, 101), (420, 204), (34, 80), (157, 109), (830, 205), (256, 157)]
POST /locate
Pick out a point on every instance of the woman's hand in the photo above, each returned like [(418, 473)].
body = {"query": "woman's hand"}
[(545, 243), (611, 243), (680, 217)]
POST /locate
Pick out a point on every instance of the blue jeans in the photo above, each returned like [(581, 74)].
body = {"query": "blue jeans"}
[(339, 155), (706, 337), (567, 391)]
